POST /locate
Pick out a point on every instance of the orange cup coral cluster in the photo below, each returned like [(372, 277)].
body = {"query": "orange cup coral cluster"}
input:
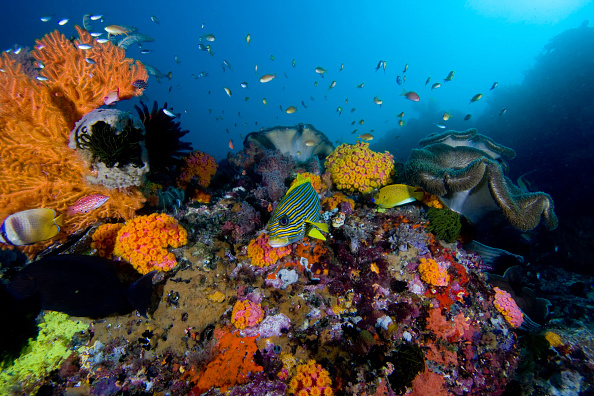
[(262, 254), (311, 380), (316, 181), (433, 273), (232, 365), (335, 200), (354, 167), (507, 306), (104, 239), (197, 165), (246, 314), (143, 242)]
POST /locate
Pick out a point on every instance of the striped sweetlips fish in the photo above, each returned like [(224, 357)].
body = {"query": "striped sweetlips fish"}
[(296, 215)]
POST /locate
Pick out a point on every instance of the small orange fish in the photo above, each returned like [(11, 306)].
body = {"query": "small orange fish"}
[(231, 144), (116, 30)]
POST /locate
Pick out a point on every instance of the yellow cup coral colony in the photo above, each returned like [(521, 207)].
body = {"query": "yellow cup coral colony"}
[(354, 167), (433, 273), (246, 314), (144, 239), (311, 380)]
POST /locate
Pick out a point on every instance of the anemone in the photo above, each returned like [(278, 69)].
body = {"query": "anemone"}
[(466, 170), (444, 224)]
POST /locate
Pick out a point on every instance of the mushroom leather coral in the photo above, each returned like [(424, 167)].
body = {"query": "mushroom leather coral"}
[(354, 167), (231, 366), (37, 169), (467, 172)]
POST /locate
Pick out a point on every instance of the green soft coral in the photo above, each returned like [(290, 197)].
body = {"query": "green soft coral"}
[(444, 224), (41, 355)]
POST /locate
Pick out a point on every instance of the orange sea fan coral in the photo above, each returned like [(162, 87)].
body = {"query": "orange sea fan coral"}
[(37, 169), (90, 83)]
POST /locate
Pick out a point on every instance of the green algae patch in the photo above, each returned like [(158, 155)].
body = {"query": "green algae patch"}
[(41, 355)]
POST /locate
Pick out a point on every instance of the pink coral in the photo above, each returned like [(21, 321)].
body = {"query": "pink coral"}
[(246, 314), (508, 307)]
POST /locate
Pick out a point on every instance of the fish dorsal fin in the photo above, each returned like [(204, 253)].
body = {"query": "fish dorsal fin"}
[(300, 180)]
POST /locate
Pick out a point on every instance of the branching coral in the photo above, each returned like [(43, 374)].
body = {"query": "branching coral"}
[(37, 169), (144, 239), (354, 167), (42, 355), (231, 366), (262, 254), (246, 314), (198, 165), (311, 379)]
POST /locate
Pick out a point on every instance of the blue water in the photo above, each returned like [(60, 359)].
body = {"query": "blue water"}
[(480, 45)]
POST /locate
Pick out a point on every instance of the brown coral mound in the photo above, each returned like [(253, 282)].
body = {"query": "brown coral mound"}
[(37, 169)]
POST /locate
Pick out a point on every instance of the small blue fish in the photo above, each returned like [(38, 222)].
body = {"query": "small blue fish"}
[(140, 84), (30, 226), (296, 215)]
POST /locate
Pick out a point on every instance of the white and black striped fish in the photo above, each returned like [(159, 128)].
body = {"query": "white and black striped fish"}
[(296, 215)]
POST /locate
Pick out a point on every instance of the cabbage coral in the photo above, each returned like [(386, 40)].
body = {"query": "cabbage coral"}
[(354, 167), (144, 239)]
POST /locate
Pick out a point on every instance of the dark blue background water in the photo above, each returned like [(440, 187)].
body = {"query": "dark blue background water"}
[(547, 90)]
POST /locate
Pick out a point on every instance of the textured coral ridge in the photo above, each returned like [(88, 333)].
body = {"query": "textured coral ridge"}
[(466, 170), (37, 169), (354, 167), (143, 242)]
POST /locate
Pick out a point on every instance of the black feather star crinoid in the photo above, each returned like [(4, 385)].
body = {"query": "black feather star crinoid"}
[(162, 141), (113, 147)]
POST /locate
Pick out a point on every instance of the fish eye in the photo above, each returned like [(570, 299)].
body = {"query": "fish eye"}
[(283, 220)]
